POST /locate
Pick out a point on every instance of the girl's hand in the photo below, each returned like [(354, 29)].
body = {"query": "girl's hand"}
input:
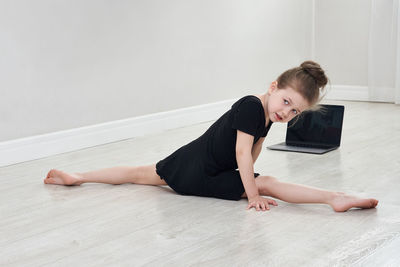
[(260, 203)]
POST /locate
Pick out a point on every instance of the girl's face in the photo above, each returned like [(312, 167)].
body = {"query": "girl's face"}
[(284, 104)]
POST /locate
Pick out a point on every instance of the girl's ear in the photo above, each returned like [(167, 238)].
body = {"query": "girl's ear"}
[(273, 87)]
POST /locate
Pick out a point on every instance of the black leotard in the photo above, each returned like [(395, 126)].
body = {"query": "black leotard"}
[(207, 166)]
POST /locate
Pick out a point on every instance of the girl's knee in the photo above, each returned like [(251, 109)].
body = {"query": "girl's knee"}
[(264, 183), (267, 179)]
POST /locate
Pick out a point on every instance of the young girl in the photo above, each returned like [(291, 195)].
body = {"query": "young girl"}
[(207, 166)]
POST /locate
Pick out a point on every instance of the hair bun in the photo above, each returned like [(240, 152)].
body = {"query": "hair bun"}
[(316, 72)]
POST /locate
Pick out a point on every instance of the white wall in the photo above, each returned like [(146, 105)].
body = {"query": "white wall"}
[(71, 63), (341, 40)]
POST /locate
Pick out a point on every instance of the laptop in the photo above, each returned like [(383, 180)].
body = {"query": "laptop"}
[(314, 132)]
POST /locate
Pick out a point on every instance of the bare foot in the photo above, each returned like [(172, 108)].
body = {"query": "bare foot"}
[(62, 178), (342, 202)]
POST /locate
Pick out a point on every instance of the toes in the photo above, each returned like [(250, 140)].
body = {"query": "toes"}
[(373, 203), (50, 173)]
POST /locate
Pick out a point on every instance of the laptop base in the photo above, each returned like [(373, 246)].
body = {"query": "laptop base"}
[(312, 150)]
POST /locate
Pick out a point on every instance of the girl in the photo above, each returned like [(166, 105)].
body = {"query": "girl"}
[(207, 166)]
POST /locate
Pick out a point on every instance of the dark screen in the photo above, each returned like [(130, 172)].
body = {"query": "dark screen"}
[(317, 127)]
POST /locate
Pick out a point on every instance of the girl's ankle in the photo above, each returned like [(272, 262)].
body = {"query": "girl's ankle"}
[(79, 178), (332, 196)]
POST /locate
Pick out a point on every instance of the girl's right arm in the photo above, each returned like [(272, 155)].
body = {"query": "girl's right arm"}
[(244, 143)]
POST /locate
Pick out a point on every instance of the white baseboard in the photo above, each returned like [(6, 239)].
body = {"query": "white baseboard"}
[(361, 93), (40, 146), (349, 93)]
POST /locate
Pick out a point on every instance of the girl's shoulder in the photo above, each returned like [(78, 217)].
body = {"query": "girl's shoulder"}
[(253, 99)]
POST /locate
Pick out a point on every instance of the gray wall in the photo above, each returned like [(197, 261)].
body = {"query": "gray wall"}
[(72, 63), (341, 39)]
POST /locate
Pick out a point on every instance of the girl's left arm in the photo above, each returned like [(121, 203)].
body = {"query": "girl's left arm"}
[(257, 147), (244, 143)]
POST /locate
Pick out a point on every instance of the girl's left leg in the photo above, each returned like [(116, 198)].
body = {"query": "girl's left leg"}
[(294, 193)]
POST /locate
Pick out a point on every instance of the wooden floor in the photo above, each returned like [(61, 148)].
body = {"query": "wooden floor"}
[(135, 225)]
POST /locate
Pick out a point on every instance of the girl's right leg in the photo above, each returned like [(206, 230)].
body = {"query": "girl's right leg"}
[(295, 193), (115, 175)]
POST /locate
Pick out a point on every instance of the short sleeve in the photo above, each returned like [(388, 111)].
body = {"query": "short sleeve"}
[(247, 117)]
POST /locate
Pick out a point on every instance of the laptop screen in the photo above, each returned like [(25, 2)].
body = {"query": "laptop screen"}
[(322, 128)]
